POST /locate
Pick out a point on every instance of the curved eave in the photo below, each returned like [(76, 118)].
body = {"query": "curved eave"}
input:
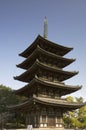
[(64, 61), (63, 75), (48, 102), (23, 65), (31, 48), (65, 89), (59, 102), (29, 72), (25, 89)]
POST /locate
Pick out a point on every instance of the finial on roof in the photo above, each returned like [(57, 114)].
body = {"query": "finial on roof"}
[(45, 28)]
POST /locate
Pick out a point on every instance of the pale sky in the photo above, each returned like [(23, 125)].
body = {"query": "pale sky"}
[(22, 20)]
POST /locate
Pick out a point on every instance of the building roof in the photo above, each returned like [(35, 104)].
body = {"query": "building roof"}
[(60, 61), (58, 49), (64, 89), (65, 105), (28, 75)]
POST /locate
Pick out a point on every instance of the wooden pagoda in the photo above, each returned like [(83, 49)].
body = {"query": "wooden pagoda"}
[(45, 75)]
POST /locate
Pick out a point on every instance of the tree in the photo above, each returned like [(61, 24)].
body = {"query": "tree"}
[(76, 118), (82, 116), (70, 99), (7, 98), (79, 100)]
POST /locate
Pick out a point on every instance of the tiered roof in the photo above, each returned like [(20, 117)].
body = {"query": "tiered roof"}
[(44, 57)]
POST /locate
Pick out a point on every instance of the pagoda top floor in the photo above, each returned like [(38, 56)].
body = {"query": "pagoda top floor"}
[(46, 45)]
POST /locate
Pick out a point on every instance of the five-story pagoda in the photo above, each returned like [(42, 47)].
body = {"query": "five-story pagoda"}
[(44, 74)]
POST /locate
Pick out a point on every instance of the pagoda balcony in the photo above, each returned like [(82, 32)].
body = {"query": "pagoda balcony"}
[(50, 79)]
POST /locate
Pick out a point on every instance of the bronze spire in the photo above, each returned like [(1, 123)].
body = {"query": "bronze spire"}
[(45, 28)]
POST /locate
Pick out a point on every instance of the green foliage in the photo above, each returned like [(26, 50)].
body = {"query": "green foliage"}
[(7, 98), (76, 118), (79, 100), (70, 99), (82, 116)]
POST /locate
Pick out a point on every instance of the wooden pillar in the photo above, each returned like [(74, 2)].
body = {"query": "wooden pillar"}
[(40, 118), (26, 120), (56, 119), (46, 118), (35, 120)]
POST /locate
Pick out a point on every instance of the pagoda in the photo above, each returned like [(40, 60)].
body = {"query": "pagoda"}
[(45, 75)]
